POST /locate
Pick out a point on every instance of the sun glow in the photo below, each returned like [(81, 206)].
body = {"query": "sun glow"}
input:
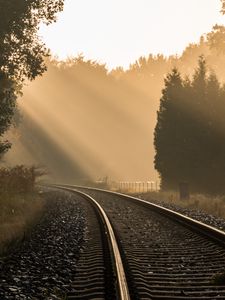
[(118, 32), (87, 122)]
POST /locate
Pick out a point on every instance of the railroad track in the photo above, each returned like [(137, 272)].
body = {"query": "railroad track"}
[(165, 254), (100, 273)]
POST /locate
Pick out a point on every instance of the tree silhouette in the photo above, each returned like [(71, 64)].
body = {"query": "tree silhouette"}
[(189, 135), (21, 51), (216, 39), (167, 131), (223, 6)]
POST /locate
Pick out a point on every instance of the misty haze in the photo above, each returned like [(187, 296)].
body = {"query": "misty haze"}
[(112, 149)]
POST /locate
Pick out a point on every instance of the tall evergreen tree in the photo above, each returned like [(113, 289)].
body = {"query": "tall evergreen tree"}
[(167, 131), (189, 135)]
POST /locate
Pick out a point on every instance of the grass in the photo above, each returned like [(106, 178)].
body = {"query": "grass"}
[(18, 212), (208, 204)]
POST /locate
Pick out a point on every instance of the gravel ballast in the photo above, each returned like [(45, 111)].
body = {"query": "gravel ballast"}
[(196, 214), (164, 259), (44, 264)]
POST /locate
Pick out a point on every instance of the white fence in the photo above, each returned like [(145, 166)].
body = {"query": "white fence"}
[(138, 186)]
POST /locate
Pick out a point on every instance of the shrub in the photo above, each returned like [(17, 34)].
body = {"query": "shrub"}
[(19, 179)]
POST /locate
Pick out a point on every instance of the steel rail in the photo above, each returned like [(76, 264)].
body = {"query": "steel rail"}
[(173, 271), (122, 286), (211, 232)]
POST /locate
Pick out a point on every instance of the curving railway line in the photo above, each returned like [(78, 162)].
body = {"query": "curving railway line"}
[(144, 251), (100, 273)]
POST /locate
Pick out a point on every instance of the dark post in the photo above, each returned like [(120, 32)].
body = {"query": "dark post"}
[(184, 191)]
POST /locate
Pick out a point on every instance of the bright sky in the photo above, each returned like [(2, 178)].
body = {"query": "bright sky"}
[(117, 32)]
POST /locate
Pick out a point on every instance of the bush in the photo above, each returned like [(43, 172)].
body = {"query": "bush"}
[(19, 179)]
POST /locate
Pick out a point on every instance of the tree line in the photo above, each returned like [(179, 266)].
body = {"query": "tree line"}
[(190, 133), (22, 57), (131, 95)]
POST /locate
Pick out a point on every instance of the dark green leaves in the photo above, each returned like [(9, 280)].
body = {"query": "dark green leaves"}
[(190, 132)]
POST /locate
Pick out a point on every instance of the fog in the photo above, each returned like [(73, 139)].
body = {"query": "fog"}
[(81, 121), (81, 115)]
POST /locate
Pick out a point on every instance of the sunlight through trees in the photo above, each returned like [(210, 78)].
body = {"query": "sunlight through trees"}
[(21, 51)]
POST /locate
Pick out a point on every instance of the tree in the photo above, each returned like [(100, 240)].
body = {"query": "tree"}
[(167, 130), (7, 108), (21, 51), (216, 39), (189, 135), (223, 7)]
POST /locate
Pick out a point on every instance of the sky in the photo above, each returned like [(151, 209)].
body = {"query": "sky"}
[(117, 32)]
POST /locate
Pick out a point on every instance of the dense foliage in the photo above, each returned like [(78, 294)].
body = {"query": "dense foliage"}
[(223, 7), (21, 51), (19, 179), (189, 135)]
